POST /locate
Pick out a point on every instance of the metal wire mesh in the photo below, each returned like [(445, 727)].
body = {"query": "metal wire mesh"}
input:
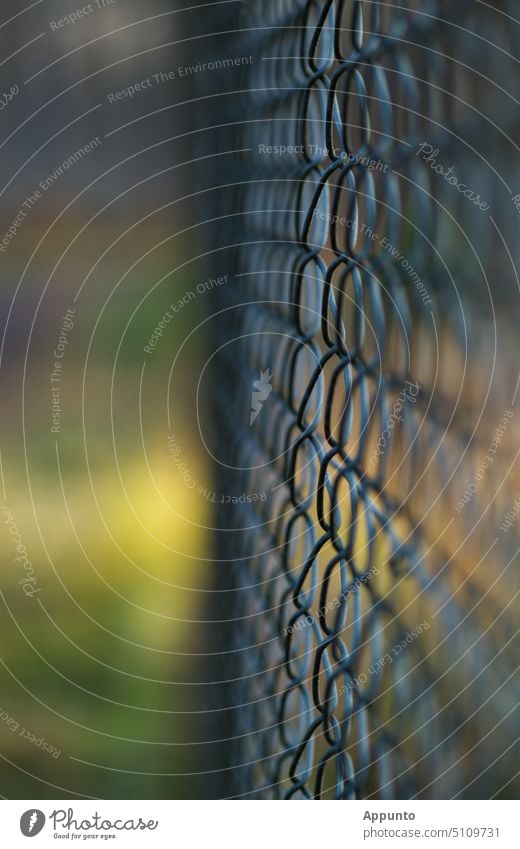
[(338, 373)]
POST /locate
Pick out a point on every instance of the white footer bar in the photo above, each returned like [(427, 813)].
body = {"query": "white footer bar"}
[(264, 825)]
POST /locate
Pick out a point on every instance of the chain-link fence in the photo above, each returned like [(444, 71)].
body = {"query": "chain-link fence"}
[(368, 622)]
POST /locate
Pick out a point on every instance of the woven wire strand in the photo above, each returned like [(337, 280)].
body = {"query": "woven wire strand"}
[(338, 272)]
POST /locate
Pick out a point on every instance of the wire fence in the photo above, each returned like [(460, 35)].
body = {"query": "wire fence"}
[(358, 658)]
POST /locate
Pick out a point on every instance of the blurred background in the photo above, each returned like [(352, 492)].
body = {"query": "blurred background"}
[(99, 647)]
